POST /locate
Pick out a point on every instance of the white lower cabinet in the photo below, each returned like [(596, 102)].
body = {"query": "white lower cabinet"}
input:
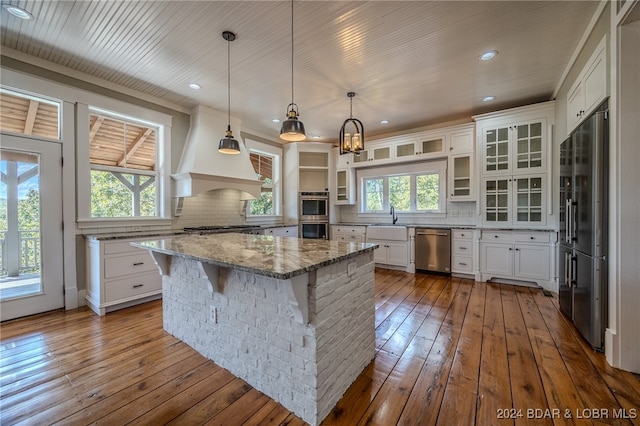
[(119, 275), (462, 251), (352, 234), (391, 252), (284, 231), (517, 255)]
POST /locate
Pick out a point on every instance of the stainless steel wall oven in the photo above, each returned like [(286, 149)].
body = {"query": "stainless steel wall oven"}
[(314, 215)]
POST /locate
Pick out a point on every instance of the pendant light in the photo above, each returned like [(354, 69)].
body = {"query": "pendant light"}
[(292, 129), (228, 144), (351, 142)]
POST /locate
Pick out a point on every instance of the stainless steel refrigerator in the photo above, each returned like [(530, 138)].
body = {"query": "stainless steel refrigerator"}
[(582, 254)]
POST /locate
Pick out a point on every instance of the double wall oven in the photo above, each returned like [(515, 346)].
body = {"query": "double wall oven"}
[(314, 215)]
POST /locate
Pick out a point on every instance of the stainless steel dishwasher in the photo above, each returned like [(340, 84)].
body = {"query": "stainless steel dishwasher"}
[(433, 250)]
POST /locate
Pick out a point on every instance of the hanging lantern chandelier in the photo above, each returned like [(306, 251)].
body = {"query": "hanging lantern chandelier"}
[(351, 142)]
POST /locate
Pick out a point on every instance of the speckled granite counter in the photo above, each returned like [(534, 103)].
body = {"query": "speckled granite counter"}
[(294, 318), (276, 257)]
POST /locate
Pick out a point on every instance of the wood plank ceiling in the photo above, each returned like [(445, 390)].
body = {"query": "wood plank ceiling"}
[(413, 63)]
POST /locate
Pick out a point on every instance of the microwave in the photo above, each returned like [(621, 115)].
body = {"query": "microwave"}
[(314, 206)]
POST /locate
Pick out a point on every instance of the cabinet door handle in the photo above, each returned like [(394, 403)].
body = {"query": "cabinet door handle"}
[(138, 263), (138, 285), (510, 249), (517, 249)]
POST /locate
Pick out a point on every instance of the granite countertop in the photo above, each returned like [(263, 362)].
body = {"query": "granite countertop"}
[(168, 232), (276, 257)]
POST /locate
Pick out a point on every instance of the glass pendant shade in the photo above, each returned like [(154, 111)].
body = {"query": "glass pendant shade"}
[(351, 142), (228, 144)]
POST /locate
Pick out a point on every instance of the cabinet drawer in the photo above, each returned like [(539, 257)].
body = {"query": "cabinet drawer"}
[(131, 287), (462, 264), (462, 247), (462, 234), (497, 236), (118, 247), (532, 237), (358, 230), (126, 265)]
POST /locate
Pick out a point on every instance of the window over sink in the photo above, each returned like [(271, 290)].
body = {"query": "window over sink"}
[(413, 188)]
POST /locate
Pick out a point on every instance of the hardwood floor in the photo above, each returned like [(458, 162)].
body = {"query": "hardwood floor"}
[(449, 352)]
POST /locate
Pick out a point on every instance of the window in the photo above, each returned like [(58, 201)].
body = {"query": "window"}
[(266, 160), (263, 166), (29, 115), (122, 157), (416, 188)]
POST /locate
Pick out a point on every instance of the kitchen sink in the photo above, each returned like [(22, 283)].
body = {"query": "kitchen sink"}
[(387, 232)]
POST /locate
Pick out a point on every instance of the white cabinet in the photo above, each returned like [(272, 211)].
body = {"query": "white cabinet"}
[(313, 168), (352, 234), (516, 165), (391, 252), (379, 152), (283, 231), (518, 147), (462, 252), (514, 200), (428, 145), (461, 165), (461, 177), (589, 89), (517, 255), (119, 275), (345, 188)]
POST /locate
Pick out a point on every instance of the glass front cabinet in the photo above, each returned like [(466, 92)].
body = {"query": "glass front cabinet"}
[(515, 200)]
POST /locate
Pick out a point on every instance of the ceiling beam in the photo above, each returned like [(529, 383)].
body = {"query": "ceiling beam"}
[(136, 144), (95, 128), (31, 117)]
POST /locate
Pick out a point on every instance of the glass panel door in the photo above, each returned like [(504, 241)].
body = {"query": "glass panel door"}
[(30, 227)]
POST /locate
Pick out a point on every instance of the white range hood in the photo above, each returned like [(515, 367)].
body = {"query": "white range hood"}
[(202, 168)]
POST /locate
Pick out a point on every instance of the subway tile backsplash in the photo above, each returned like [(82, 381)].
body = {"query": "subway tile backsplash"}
[(222, 207)]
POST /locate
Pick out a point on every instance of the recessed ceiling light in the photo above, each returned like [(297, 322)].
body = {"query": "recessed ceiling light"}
[(316, 137), (384, 122), (195, 86), (488, 98), (488, 55), (275, 120), (18, 12)]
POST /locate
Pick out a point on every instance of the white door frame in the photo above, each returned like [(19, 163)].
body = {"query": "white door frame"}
[(52, 250)]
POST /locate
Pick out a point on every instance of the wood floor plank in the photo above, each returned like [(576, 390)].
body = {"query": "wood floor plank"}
[(460, 396), (559, 389), (494, 387), (442, 343), (423, 404), (526, 384)]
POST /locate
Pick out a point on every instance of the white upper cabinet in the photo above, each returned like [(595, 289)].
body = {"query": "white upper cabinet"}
[(515, 166), (589, 89)]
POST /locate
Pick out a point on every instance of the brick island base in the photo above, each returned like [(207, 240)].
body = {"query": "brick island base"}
[(256, 327)]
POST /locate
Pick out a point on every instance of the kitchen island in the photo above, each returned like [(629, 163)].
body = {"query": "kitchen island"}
[(292, 317)]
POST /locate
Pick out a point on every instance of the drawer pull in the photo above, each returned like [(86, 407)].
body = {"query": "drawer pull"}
[(496, 236), (462, 264), (138, 285), (533, 238), (462, 235), (138, 263), (462, 248)]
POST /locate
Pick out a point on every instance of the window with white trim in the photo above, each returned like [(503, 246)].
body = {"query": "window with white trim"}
[(266, 161), (123, 162), (415, 188)]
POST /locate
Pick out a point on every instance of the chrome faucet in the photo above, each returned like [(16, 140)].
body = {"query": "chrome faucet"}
[(393, 215)]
